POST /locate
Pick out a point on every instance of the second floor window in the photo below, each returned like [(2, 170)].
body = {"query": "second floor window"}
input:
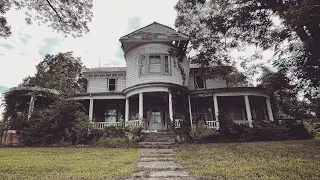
[(111, 84), (154, 64), (200, 82)]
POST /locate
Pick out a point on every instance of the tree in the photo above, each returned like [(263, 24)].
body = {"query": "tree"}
[(217, 27), (66, 16), (285, 95), (61, 72)]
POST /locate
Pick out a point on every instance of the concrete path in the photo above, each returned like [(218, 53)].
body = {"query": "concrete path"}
[(158, 164)]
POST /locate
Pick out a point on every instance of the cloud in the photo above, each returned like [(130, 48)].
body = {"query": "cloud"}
[(134, 23), (49, 43), (24, 38), (2, 54), (7, 46)]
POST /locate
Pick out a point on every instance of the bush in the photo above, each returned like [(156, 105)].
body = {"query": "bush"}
[(300, 129), (113, 142), (134, 133), (201, 132), (62, 123)]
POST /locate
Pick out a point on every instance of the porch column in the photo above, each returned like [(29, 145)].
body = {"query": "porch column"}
[(190, 113), (126, 119), (216, 109), (31, 105), (140, 106), (91, 110), (248, 109), (170, 107), (269, 109)]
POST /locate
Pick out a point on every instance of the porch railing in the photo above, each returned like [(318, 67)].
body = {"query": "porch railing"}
[(177, 123), (102, 125), (241, 122), (134, 123), (213, 124)]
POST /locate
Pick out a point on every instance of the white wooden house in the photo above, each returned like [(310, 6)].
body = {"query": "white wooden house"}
[(142, 92)]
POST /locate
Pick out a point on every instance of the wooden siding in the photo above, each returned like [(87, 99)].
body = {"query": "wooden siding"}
[(100, 84), (210, 83)]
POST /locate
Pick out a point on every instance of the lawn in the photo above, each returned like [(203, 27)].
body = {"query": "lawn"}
[(67, 163), (259, 160)]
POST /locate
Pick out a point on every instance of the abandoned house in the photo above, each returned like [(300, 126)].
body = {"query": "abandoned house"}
[(159, 86)]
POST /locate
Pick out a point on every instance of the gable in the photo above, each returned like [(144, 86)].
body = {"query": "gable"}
[(154, 32)]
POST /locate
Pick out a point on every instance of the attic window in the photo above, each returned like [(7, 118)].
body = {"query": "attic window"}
[(200, 82), (112, 84)]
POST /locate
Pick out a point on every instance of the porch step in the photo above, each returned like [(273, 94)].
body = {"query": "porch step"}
[(158, 137), (157, 145)]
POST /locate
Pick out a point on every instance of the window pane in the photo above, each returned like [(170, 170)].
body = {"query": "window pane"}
[(154, 68), (112, 84), (237, 113), (154, 59), (200, 82), (166, 64)]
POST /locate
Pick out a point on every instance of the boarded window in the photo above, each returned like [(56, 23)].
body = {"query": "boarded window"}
[(200, 82), (112, 84)]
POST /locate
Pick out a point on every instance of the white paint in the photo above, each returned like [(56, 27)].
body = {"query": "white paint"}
[(246, 93), (190, 111), (91, 110), (100, 84), (133, 75), (216, 107), (95, 96), (270, 114), (140, 106), (170, 107), (31, 105), (127, 110), (147, 88), (248, 109)]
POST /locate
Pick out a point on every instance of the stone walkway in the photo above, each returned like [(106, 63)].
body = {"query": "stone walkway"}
[(158, 164)]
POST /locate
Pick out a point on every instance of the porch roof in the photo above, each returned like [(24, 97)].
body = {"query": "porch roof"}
[(233, 91)]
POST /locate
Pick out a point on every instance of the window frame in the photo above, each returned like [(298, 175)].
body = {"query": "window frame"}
[(115, 84), (146, 64), (204, 81)]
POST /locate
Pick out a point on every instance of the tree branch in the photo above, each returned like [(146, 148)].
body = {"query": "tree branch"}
[(54, 9)]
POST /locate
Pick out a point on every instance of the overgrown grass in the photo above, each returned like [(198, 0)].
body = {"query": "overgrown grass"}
[(67, 163), (259, 160)]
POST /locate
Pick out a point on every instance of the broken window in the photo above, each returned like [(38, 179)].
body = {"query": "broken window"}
[(112, 84), (200, 82)]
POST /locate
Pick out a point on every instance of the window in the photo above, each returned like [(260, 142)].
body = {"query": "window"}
[(111, 113), (237, 113), (200, 82), (112, 84), (154, 64), (204, 112)]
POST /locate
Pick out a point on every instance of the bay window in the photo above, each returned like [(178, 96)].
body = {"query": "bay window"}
[(155, 64)]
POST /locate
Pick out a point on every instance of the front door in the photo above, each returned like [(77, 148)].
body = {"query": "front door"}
[(156, 118)]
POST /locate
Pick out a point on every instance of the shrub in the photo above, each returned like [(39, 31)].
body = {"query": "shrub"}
[(113, 142), (300, 129), (134, 133), (201, 131)]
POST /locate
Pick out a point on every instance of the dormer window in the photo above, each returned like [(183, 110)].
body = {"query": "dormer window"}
[(112, 84), (200, 82), (155, 64)]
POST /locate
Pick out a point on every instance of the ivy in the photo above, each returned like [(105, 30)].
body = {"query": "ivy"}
[(178, 54)]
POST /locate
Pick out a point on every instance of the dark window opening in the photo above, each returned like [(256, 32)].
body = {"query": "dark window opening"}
[(112, 84), (200, 82)]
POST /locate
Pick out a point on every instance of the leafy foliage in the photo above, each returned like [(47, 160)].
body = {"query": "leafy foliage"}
[(61, 72), (68, 17), (217, 27), (60, 123), (201, 131)]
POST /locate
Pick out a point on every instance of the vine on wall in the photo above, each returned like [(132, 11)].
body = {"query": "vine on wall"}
[(179, 54)]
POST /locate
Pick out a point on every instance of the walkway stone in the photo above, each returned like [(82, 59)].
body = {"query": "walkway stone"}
[(158, 164)]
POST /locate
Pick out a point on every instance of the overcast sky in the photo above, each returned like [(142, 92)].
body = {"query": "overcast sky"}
[(28, 44)]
